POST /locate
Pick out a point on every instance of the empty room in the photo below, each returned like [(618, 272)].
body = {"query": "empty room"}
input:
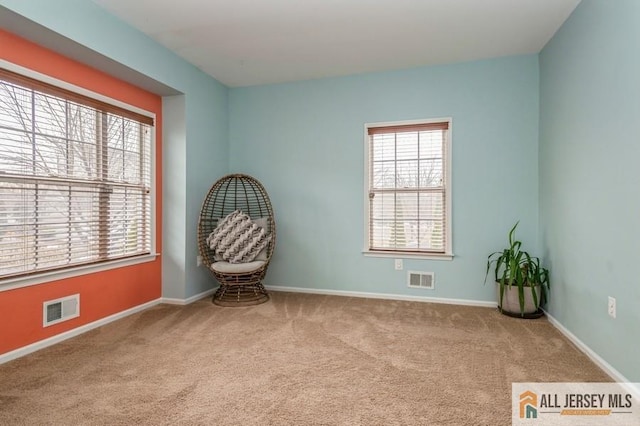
[(366, 212)]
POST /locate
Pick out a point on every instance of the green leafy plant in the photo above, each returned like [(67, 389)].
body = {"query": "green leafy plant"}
[(516, 267)]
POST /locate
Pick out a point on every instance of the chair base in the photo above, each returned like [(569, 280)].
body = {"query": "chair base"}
[(240, 295)]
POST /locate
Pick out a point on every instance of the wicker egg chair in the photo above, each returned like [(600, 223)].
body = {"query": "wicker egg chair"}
[(241, 283)]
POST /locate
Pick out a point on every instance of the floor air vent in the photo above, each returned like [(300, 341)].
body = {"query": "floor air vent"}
[(55, 311), (421, 280)]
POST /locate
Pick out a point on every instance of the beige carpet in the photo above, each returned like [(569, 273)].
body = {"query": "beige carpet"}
[(296, 360)]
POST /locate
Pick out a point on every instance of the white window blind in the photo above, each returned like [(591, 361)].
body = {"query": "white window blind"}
[(75, 179), (408, 188)]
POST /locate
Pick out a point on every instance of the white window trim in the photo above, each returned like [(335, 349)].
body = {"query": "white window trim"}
[(448, 251), (407, 255), (76, 271), (47, 276)]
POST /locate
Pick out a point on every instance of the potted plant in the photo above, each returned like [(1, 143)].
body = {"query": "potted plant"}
[(522, 283)]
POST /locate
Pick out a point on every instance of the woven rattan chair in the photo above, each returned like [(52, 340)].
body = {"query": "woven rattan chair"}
[(240, 284)]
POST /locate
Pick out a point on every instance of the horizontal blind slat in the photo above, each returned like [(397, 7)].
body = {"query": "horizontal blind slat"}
[(407, 207), (24, 81), (74, 180)]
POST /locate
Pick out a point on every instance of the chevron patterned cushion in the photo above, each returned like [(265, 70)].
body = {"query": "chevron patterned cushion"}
[(237, 239)]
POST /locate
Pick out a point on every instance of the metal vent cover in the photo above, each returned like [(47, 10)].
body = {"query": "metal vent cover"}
[(424, 280), (58, 310)]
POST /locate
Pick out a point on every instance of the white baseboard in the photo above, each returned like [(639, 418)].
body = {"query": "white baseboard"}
[(173, 301), (597, 359), (25, 350), (388, 296)]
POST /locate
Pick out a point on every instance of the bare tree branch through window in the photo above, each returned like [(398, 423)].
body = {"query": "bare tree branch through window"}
[(75, 183)]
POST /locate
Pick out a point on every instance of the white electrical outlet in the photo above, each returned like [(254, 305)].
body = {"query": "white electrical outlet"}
[(611, 309), (398, 264), (198, 260)]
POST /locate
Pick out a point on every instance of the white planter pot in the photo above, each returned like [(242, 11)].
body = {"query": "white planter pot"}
[(511, 301)]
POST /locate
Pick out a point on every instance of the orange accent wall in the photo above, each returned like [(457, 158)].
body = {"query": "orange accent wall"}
[(102, 293)]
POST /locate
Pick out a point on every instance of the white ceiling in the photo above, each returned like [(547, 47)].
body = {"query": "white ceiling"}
[(250, 42)]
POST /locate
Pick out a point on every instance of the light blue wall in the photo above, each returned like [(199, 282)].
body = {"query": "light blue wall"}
[(305, 142), (207, 161), (174, 163), (590, 176), (94, 35)]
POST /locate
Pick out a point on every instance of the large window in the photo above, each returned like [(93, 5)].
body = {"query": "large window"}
[(408, 188), (75, 178)]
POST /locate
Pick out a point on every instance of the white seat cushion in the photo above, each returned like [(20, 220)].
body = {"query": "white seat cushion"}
[(237, 268)]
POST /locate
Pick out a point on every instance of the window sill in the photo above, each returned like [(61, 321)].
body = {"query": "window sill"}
[(407, 255), (19, 282)]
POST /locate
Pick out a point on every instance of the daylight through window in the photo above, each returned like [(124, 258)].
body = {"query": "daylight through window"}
[(408, 188), (75, 179)]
